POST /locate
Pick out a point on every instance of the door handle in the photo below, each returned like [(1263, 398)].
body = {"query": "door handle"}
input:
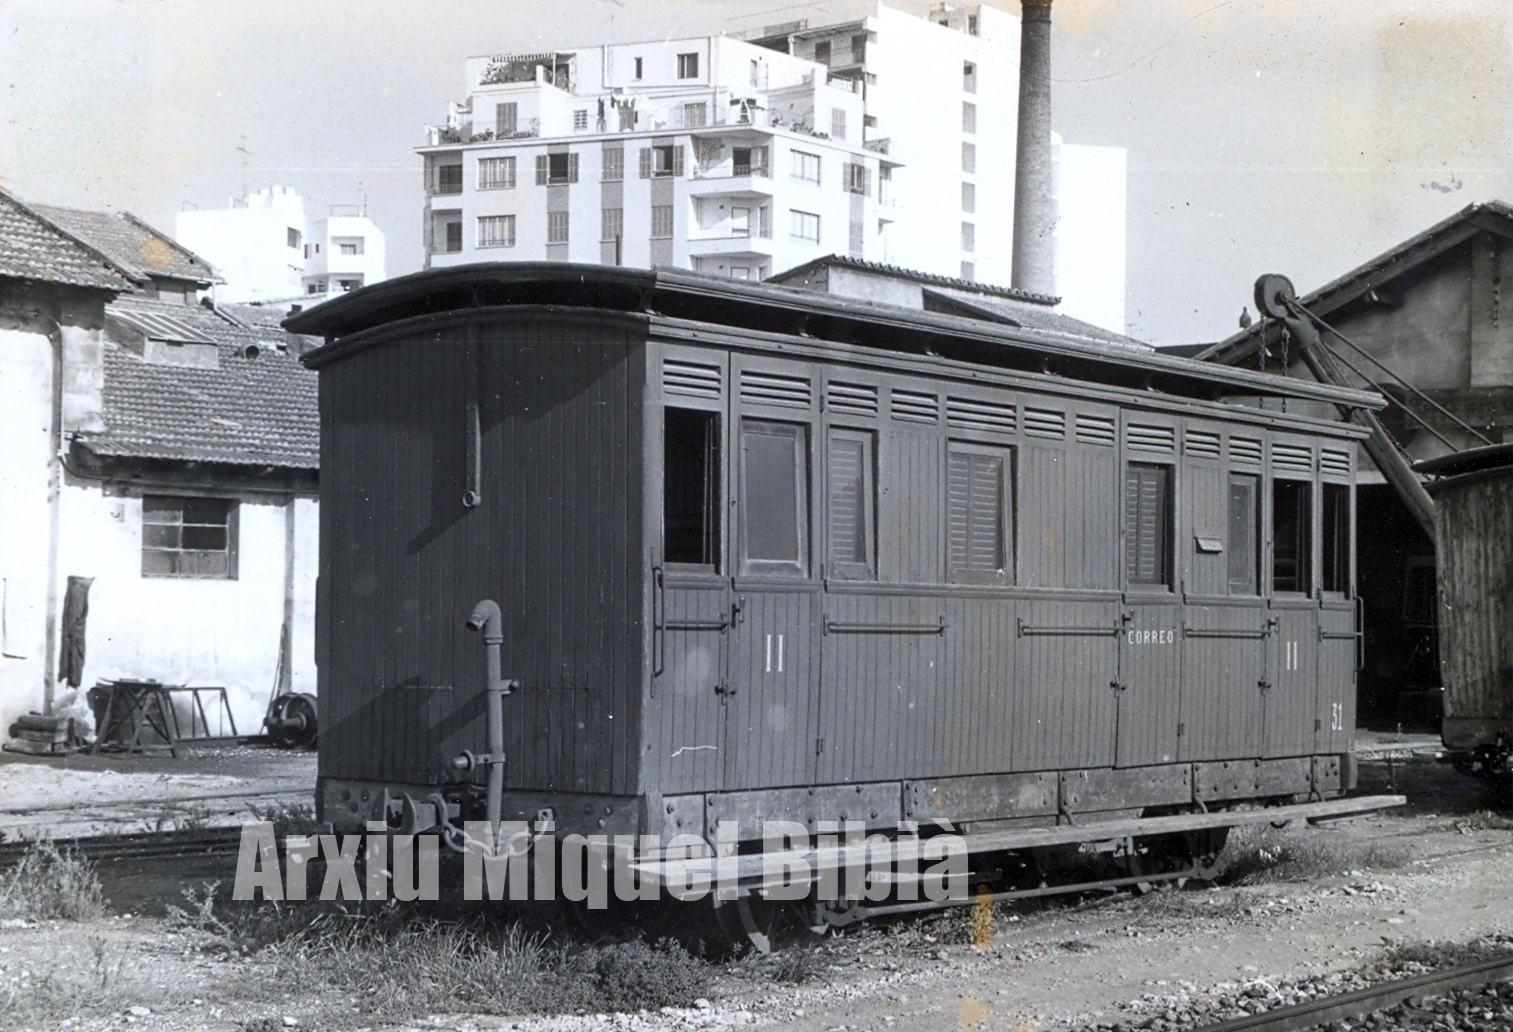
[(1263, 685), (738, 611)]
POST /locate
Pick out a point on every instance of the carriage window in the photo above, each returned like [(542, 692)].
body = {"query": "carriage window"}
[(978, 499), (852, 504), (691, 487), (1291, 535), (1244, 517), (1148, 524), (774, 497), (1334, 560)]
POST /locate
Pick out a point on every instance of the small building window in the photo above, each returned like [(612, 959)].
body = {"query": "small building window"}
[(454, 237), (838, 123), (448, 179), (349, 248), (978, 501), (556, 227), (857, 237), (691, 487), (971, 25), (638, 68), (969, 77), (774, 498), (859, 48), (968, 117), (804, 226), (1334, 559), (748, 161), (822, 53), (969, 158), (580, 119), (806, 166), (688, 66), (506, 117), (307, 250), (969, 271), (189, 537), (614, 164), (851, 504), (857, 178), (293, 234), (312, 288), (695, 116), (496, 173), (1148, 525), (661, 220), (756, 73), (657, 162), (348, 245), (1291, 535), (968, 236), (554, 169), (969, 198), (496, 231), (611, 224), (1244, 520), (740, 221)]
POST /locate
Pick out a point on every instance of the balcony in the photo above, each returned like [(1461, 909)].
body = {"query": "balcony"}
[(443, 135), (750, 248)]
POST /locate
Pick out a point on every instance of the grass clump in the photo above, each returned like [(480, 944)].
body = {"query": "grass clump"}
[(1256, 855), (47, 884)]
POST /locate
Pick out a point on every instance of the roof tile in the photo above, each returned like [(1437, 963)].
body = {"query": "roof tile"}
[(31, 248)]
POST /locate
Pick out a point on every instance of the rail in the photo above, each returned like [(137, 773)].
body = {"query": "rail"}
[(1029, 631), (834, 627), (1365, 1001)]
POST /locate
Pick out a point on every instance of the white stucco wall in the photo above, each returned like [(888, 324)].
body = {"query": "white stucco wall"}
[(1090, 232)]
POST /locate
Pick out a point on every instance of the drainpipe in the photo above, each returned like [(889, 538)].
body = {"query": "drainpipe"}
[(1034, 267), (487, 618), (54, 507)]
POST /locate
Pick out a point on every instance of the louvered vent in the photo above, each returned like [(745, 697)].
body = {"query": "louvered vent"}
[(1095, 429), (916, 407), (1297, 457), (690, 379), (1044, 422), (774, 389), (852, 397), (1202, 443), (1245, 449), (1150, 438), (994, 417), (1337, 462)]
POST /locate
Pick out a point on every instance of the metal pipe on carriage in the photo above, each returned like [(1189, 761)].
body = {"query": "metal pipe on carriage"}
[(487, 618)]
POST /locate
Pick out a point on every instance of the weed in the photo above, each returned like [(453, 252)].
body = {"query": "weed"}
[(1256, 855), (46, 884), (289, 819), (798, 965)]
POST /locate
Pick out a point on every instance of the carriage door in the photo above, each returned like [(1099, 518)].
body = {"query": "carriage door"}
[(1339, 629), (1292, 692), (1150, 684), (770, 691), (691, 602)]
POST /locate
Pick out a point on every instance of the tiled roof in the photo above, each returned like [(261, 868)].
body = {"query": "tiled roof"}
[(31, 248), (250, 411), (130, 243), (1037, 317), (915, 276)]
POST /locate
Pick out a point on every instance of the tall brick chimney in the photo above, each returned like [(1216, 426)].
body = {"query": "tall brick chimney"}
[(1034, 206)]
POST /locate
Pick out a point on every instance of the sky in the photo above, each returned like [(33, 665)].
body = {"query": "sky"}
[(1293, 136)]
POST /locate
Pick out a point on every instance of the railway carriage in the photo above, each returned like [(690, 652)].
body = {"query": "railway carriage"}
[(765, 553)]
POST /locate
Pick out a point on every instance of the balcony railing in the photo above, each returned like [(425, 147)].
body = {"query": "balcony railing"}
[(440, 135)]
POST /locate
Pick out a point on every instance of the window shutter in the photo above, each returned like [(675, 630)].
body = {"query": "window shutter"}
[(541, 166), (848, 542), (572, 168), (866, 182), (645, 162), (1145, 519), (974, 512), (677, 161), (846, 175)]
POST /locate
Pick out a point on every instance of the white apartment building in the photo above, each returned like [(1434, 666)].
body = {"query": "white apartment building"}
[(256, 244), (343, 252), (709, 153)]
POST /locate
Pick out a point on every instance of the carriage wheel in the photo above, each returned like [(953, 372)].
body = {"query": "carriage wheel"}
[(291, 725)]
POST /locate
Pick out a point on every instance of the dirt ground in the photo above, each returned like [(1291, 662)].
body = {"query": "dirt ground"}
[(1435, 870)]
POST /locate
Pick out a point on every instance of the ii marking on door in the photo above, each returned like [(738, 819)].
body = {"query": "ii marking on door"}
[(1292, 655), (769, 653)]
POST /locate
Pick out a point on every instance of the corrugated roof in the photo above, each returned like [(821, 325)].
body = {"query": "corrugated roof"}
[(131, 243), (249, 411), (32, 248)]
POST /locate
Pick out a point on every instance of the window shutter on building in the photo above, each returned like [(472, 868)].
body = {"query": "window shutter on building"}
[(677, 161), (541, 167), (572, 168), (645, 162)]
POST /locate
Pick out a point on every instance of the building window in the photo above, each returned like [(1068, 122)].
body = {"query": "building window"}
[(838, 123), (855, 240), (506, 117), (614, 164), (312, 288), (553, 169), (348, 284), (851, 505), (806, 166), (1148, 525), (857, 179), (496, 231), (580, 119), (1244, 519), (968, 197), (496, 173), (688, 66), (638, 68), (307, 250), (748, 161), (968, 237), (764, 222), (804, 226), (756, 73), (969, 271), (775, 498), (657, 162), (611, 224), (859, 48), (971, 25), (695, 116), (293, 237), (661, 220), (969, 77), (969, 158), (556, 227), (454, 237), (885, 185), (822, 53), (691, 487), (1291, 535), (350, 248), (1334, 560), (740, 221), (968, 117), (189, 537), (448, 179), (978, 501)]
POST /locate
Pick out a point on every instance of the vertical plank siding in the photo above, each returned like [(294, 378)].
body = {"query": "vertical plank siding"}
[(1474, 514)]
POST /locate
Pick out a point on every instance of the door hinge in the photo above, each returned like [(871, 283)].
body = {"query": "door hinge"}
[(819, 746), (1181, 730), (1318, 725)]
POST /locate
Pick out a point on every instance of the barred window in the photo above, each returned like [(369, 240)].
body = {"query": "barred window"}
[(556, 227), (189, 537), (496, 231), (496, 173)]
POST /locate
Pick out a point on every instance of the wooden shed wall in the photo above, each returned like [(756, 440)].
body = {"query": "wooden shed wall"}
[(1475, 582), (554, 540)]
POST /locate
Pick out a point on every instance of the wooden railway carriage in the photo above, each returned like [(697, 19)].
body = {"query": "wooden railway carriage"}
[(765, 553)]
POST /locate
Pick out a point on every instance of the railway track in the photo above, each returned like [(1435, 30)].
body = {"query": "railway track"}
[(1352, 1006), (212, 841)]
